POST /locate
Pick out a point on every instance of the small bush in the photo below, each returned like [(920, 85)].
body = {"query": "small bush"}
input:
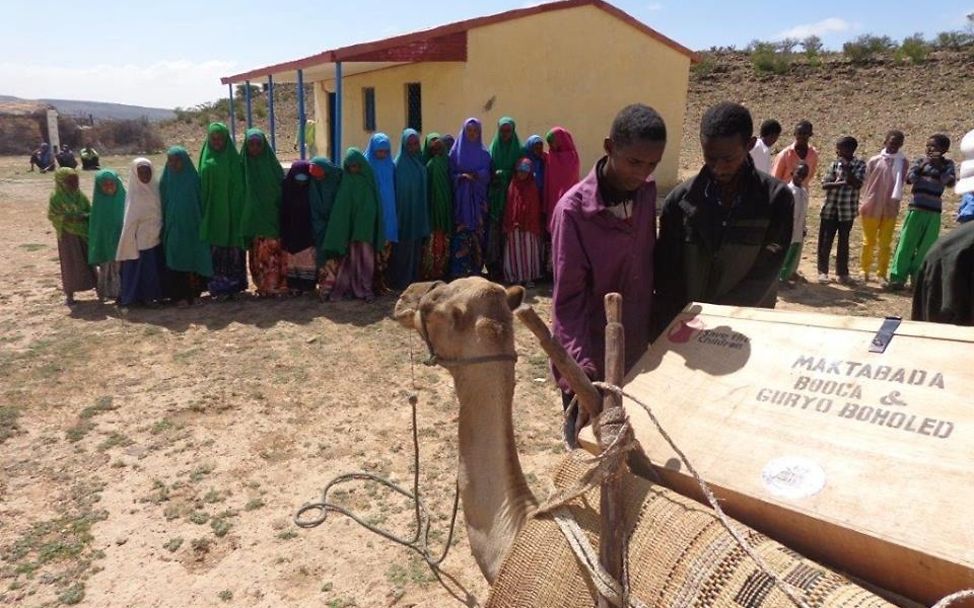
[(914, 48), (812, 47), (705, 67), (769, 57), (867, 47), (953, 41)]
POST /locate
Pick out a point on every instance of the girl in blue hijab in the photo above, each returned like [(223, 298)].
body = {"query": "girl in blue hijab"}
[(379, 155)]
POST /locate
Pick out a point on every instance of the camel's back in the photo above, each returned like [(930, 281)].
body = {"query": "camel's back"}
[(679, 555)]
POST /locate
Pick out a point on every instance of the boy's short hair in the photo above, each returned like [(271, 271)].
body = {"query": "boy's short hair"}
[(803, 125), (637, 122), (847, 142), (727, 119), (799, 167), (770, 127), (895, 134), (942, 141)]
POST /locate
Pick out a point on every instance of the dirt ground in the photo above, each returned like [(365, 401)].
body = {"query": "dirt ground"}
[(158, 459)]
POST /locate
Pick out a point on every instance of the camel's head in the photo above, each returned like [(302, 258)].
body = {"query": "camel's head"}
[(466, 318)]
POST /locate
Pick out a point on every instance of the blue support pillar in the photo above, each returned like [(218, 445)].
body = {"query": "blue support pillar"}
[(339, 102), (250, 114), (233, 119), (270, 109), (301, 117)]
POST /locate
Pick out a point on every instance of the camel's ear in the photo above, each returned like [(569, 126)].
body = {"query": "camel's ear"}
[(515, 296), (408, 304)]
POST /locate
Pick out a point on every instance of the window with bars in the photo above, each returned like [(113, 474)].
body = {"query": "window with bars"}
[(414, 106), (368, 108)]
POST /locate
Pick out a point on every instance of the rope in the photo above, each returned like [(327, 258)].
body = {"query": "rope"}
[(953, 598), (419, 543)]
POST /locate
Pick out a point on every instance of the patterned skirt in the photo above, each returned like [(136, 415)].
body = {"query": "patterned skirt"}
[(302, 270), (327, 276), (522, 257), (436, 256), (356, 274), (109, 281), (229, 271), (466, 258), (268, 266)]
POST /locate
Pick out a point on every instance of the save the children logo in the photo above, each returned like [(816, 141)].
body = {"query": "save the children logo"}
[(693, 329), (684, 330)]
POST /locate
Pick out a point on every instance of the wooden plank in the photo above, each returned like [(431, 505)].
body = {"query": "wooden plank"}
[(860, 460)]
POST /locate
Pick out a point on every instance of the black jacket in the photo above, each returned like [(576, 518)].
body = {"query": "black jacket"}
[(708, 253), (944, 291)]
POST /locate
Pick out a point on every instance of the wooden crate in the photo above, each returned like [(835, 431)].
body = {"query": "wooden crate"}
[(861, 460)]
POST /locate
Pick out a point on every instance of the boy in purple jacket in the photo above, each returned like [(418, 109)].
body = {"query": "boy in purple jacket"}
[(603, 232)]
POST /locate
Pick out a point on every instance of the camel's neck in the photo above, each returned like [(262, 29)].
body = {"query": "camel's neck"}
[(496, 499)]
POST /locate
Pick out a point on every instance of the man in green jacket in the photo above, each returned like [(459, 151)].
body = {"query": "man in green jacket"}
[(724, 233)]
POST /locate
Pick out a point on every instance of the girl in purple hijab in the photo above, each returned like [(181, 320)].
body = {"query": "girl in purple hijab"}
[(470, 171)]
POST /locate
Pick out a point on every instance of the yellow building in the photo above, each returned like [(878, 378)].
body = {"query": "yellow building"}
[(573, 63)]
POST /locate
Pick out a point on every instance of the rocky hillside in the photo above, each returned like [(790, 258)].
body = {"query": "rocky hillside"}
[(840, 98)]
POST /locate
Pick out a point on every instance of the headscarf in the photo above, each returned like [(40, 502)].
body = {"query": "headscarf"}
[(262, 189), (523, 210), (503, 156), (68, 211), (440, 191), (470, 197), (105, 223), (385, 180), (562, 171), (357, 214), (182, 205), (323, 191), (448, 141), (296, 233), (411, 197), (537, 160), (46, 155), (222, 187), (142, 226)]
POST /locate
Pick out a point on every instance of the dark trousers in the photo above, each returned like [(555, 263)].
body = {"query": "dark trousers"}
[(826, 234)]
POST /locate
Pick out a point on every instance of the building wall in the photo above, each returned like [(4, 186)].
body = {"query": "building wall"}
[(575, 68)]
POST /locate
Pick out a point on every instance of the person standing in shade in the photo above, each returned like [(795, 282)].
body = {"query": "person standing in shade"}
[(325, 179), (470, 172), (436, 252), (188, 261), (261, 222), (379, 155), (603, 233), (68, 210), (297, 233), (222, 188), (411, 212), (104, 230), (355, 229), (505, 150), (725, 232), (139, 248)]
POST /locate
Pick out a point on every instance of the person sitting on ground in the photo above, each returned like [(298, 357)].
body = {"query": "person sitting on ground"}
[(921, 227), (65, 158), (724, 233), (761, 152), (603, 231), (789, 272), (42, 158), (841, 184), (882, 193), (799, 151), (89, 159)]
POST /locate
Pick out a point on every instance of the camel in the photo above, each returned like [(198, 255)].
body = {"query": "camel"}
[(468, 327)]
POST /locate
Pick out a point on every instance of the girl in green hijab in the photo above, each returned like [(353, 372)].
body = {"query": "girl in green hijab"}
[(505, 151), (412, 212), (222, 188), (188, 258), (261, 214), (68, 211), (436, 252), (104, 229), (355, 230), (325, 179)]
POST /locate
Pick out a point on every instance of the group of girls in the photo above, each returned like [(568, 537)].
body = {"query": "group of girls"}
[(441, 208)]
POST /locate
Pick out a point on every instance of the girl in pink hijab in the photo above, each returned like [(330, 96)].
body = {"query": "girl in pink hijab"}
[(562, 171)]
